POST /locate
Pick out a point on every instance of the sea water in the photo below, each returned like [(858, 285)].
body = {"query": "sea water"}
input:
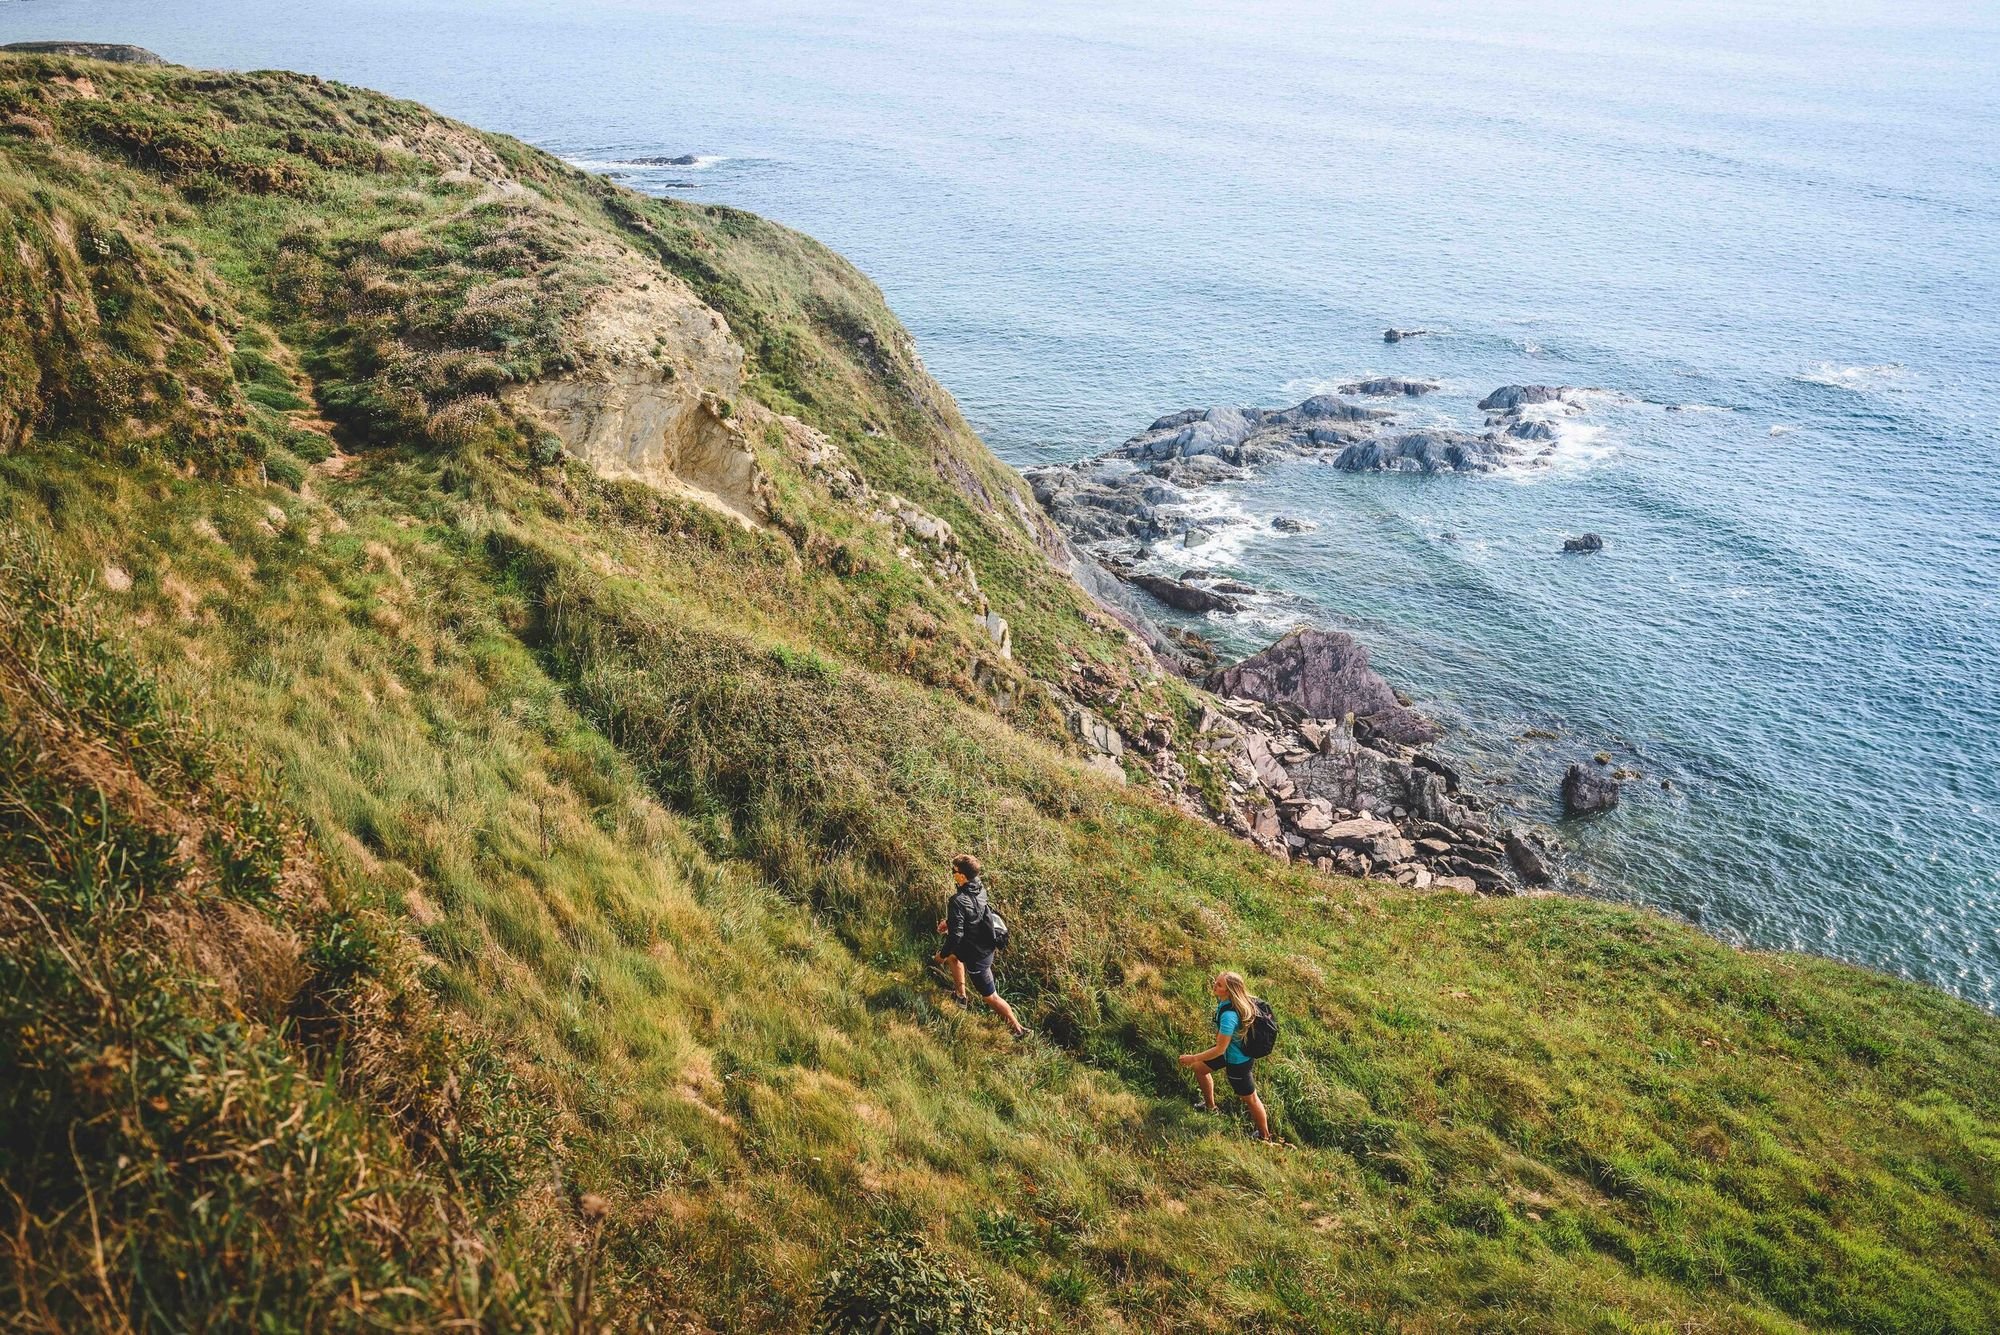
[(1769, 230)]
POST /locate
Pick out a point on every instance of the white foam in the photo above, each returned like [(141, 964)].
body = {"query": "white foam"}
[(702, 162), (1232, 526), (1854, 379), (1783, 429), (1577, 446)]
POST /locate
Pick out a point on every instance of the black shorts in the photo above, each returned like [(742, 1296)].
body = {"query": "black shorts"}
[(979, 975), (1240, 1081)]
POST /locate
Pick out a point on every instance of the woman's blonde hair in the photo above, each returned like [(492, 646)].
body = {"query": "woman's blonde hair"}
[(1239, 997)]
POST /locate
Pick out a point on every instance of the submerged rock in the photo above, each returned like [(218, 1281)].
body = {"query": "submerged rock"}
[(1589, 542), (1398, 335), (1287, 524)]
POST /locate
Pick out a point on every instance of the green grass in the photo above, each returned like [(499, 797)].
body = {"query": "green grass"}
[(653, 811)]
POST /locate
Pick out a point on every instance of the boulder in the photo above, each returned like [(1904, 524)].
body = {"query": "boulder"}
[(1401, 726), (1527, 858), (1287, 524), (1184, 597), (1323, 674), (1585, 791), (1589, 542), (1398, 335), (1097, 736), (1315, 818), (1360, 832)]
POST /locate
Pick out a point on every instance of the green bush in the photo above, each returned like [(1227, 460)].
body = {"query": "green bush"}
[(895, 1285)]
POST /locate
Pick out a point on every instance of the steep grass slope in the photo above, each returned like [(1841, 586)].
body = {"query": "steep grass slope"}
[(546, 903)]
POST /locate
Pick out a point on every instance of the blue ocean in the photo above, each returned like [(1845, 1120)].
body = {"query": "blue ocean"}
[(1768, 231)]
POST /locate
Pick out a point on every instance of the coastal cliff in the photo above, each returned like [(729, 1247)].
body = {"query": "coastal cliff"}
[(495, 667)]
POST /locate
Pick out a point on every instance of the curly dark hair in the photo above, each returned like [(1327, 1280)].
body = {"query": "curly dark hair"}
[(967, 865)]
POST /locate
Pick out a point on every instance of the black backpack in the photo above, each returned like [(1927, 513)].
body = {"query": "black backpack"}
[(997, 935), (1262, 1034)]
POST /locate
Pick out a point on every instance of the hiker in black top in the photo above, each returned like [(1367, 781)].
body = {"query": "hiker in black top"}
[(968, 941), (1235, 1011)]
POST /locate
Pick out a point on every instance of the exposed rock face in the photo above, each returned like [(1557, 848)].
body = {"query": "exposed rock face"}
[(1585, 791), (117, 52), (1589, 542), (1431, 451), (1510, 397), (673, 424), (1388, 385), (1243, 436), (1324, 674)]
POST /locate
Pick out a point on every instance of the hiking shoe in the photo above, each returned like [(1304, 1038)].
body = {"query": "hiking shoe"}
[(963, 1003), (1204, 1109), (1021, 1035)]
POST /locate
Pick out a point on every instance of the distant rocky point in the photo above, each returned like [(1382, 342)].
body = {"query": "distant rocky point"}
[(112, 51)]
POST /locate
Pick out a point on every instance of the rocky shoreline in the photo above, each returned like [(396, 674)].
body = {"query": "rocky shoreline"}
[(1308, 752), (1126, 501)]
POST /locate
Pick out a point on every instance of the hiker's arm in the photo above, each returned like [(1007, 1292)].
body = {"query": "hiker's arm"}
[(1221, 1046)]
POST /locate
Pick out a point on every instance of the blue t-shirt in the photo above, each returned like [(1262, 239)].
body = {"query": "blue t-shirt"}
[(1226, 1020)]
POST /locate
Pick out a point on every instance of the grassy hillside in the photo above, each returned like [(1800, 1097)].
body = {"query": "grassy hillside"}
[(440, 882)]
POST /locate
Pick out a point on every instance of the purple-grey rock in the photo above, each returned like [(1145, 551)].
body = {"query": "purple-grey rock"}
[(1325, 674)]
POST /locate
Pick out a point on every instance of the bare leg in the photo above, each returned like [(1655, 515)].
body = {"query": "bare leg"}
[(1258, 1115), (1207, 1082), (1002, 1009), (957, 976)]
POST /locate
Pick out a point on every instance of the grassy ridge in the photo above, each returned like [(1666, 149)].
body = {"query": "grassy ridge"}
[(660, 804)]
